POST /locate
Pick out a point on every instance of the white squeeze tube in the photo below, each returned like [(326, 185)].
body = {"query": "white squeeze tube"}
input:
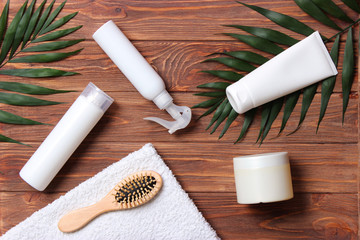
[(139, 72), (301, 65), (67, 135)]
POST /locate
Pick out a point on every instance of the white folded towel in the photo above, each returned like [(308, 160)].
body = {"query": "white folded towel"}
[(170, 215)]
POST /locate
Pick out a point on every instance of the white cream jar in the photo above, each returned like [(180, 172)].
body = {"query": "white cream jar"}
[(263, 178)]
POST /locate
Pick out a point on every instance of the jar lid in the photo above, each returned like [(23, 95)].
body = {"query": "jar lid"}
[(261, 160)]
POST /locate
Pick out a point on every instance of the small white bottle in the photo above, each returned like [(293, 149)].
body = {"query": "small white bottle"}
[(299, 66), (67, 135), (139, 72)]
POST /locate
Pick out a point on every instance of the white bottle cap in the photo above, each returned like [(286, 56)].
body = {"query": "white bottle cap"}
[(95, 95), (263, 178), (239, 97)]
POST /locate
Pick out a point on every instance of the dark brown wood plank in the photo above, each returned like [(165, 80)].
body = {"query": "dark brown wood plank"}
[(175, 37), (124, 120), (307, 216), (180, 19), (179, 63), (324, 216), (201, 167)]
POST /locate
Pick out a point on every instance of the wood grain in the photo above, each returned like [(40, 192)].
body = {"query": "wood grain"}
[(199, 167), (176, 37)]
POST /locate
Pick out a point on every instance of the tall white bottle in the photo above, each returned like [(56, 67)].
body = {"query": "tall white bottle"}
[(67, 135), (139, 72)]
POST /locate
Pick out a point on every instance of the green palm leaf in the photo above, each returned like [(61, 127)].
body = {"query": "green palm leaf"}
[(211, 109), (22, 100), (218, 113), (215, 85), (208, 103), (331, 8), (51, 46), (328, 84), (36, 72), (42, 19), (44, 58), (55, 35), (226, 75), (232, 116), (211, 94), (59, 23), (32, 24), (308, 96), (3, 21), (248, 56), (265, 113), (248, 119), (348, 70), (52, 17), (274, 112), (21, 29), (233, 63), (352, 4), (225, 113), (268, 34), (10, 118), (313, 10), (283, 20), (290, 104), (10, 140), (258, 43), (29, 88)]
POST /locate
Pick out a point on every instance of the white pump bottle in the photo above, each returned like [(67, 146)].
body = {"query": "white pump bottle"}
[(139, 72)]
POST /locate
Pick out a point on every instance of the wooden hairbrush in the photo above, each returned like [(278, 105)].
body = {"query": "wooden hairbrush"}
[(134, 190)]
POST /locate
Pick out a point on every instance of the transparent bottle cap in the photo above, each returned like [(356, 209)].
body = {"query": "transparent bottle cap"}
[(95, 95)]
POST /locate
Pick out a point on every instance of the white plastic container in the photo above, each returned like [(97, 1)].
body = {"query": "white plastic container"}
[(301, 65), (263, 178), (67, 135), (139, 72)]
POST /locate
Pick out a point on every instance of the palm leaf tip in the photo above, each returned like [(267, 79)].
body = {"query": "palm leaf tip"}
[(348, 71), (10, 140)]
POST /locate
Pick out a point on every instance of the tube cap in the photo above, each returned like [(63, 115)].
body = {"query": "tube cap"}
[(239, 97)]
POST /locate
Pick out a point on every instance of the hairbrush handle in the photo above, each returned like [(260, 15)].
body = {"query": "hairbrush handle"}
[(79, 218)]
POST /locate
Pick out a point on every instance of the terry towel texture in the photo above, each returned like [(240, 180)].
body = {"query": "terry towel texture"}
[(170, 215)]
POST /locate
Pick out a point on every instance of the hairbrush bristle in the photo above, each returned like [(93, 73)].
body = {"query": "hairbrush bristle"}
[(138, 188)]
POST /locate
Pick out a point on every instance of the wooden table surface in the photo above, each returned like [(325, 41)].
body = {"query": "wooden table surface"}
[(175, 37)]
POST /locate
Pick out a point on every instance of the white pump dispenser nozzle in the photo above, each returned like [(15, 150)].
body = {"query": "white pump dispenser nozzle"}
[(139, 72)]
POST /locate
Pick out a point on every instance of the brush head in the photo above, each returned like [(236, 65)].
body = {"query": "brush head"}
[(137, 189)]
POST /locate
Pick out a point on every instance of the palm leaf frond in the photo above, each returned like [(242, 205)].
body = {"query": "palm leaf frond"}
[(32, 25)]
